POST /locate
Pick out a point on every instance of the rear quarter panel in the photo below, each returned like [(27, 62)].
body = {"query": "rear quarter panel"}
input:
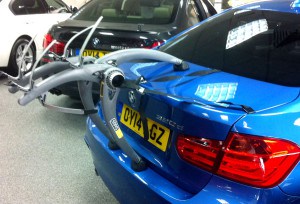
[(281, 122)]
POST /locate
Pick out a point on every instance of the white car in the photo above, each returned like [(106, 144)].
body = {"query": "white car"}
[(22, 20)]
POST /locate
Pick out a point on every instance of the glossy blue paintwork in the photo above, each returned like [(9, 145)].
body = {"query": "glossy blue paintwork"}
[(190, 86), (275, 5), (288, 127), (112, 168), (149, 187), (291, 184), (167, 163), (191, 106)]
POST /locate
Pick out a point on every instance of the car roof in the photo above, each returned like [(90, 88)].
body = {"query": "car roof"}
[(289, 6)]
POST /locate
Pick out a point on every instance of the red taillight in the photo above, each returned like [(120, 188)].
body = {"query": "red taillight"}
[(199, 151), (57, 48), (252, 160), (258, 161), (47, 40), (154, 44)]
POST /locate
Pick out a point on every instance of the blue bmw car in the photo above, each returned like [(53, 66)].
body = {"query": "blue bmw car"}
[(225, 127)]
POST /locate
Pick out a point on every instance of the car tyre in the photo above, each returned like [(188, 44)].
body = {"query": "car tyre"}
[(16, 57)]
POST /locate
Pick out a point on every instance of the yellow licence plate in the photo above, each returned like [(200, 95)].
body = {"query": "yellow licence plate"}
[(158, 134), (94, 53)]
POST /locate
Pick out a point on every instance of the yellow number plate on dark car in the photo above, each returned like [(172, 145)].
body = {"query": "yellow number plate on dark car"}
[(158, 134), (94, 53)]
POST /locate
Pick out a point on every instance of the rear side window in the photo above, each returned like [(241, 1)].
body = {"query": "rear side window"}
[(263, 45), (55, 6), (23, 7), (129, 11), (18, 7)]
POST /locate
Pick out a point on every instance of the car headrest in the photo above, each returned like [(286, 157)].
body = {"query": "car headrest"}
[(109, 13), (29, 3), (161, 12)]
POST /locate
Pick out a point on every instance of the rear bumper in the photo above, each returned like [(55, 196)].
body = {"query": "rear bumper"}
[(149, 187), (125, 184)]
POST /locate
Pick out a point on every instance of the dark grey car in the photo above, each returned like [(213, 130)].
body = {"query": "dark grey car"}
[(126, 24)]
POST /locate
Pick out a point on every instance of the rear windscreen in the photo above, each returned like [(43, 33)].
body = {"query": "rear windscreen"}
[(129, 11), (259, 44)]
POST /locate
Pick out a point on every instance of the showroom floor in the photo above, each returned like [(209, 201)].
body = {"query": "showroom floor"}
[(43, 157)]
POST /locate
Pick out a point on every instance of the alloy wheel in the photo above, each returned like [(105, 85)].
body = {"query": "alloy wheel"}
[(26, 64)]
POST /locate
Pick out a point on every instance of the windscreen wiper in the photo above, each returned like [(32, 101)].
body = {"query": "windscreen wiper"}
[(197, 101)]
